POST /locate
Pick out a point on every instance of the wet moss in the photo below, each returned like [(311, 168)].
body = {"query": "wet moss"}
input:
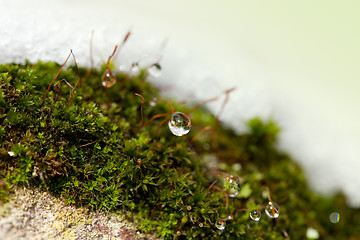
[(94, 153)]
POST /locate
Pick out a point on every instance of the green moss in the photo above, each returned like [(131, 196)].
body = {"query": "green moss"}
[(95, 154)]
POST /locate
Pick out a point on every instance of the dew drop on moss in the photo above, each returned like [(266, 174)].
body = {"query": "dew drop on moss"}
[(272, 210), (232, 185), (108, 80), (153, 102), (255, 215), (135, 69), (334, 217), (179, 124), (220, 224), (155, 70)]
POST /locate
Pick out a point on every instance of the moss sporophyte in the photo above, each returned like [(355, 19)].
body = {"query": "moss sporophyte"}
[(107, 146)]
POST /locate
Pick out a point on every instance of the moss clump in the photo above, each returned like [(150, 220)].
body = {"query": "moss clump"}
[(94, 153)]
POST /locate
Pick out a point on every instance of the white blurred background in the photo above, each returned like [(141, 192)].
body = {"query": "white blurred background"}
[(296, 62)]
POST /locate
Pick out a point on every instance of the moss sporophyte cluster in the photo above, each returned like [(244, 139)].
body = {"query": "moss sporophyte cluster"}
[(104, 142)]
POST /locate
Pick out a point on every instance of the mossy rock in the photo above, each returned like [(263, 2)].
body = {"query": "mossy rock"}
[(102, 151)]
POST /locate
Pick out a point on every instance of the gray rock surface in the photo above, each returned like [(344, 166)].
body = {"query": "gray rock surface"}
[(31, 214)]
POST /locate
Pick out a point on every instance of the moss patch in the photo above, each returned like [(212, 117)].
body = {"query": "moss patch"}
[(94, 153)]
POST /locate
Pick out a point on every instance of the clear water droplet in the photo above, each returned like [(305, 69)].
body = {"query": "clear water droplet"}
[(230, 217), (179, 124), (255, 215), (272, 210), (108, 79), (232, 185), (312, 233), (220, 224), (135, 68), (236, 166), (201, 225), (264, 194), (334, 217), (153, 102), (155, 70)]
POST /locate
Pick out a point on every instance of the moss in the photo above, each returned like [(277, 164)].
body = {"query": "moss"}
[(94, 153)]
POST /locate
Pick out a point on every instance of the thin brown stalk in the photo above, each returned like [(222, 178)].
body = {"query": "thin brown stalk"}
[(217, 173), (196, 106), (200, 132), (141, 110), (87, 144), (268, 193), (227, 92), (77, 82), (155, 117), (48, 89), (162, 122), (113, 53), (212, 185), (120, 46)]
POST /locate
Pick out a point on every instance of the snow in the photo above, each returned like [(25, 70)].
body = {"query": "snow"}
[(287, 64)]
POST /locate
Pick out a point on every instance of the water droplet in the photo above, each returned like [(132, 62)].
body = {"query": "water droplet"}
[(312, 233), (11, 154), (179, 124), (188, 208), (135, 68), (139, 162), (155, 70), (236, 166), (220, 224), (255, 215), (230, 217), (201, 224), (153, 102), (232, 185), (334, 217), (272, 210), (264, 194), (178, 233), (108, 79)]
